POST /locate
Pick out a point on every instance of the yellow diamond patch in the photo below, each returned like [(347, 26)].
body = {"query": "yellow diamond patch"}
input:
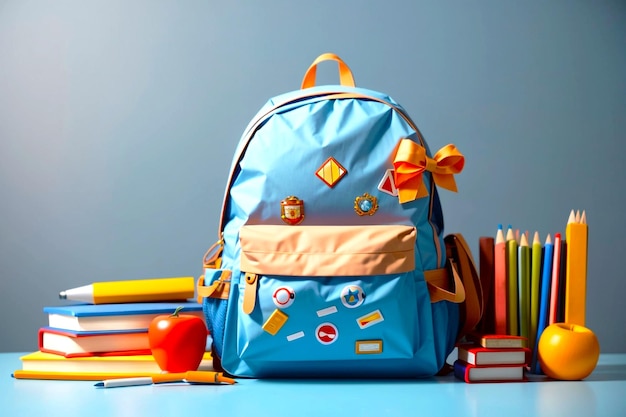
[(331, 172)]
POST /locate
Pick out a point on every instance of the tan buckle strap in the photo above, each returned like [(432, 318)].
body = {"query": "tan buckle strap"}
[(438, 281), (218, 289), (249, 293)]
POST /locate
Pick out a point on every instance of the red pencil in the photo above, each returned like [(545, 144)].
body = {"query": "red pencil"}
[(556, 268), (500, 284)]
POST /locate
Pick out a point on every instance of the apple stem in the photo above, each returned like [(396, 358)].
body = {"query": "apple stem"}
[(175, 313)]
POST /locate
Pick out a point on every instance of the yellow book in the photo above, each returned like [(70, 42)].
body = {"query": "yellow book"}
[(41, 365), (576, 234), (76, 376)]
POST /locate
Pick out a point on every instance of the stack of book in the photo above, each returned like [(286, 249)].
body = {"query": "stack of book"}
[(99, 341), (492, 358)]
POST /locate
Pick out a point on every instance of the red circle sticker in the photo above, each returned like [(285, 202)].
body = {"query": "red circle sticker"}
[(326, 333)]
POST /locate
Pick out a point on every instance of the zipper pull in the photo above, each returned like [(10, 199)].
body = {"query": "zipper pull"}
[(249, 293)]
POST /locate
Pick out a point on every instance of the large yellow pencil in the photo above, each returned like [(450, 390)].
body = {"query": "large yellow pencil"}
[(576, 270), (133, 291)]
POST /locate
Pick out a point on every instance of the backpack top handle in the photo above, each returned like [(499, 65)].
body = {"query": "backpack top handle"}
[(345, 75)]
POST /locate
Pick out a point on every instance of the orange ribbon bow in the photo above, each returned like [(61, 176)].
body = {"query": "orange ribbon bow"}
[(410, 161)]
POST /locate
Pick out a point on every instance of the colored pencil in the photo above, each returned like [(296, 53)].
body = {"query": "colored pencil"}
[(510, 234), (512, 319), (535, 283), (500, 285), (523, 279), (555, 281), (560, 305), (544, 297)]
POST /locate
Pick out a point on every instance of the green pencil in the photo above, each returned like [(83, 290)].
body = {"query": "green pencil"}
[(523, 263), (512, 320), (535, 284)]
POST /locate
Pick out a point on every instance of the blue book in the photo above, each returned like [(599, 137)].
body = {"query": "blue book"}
[(109, 317), (544, 302)]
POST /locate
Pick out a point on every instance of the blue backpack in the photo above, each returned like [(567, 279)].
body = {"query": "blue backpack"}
[(331, 259)]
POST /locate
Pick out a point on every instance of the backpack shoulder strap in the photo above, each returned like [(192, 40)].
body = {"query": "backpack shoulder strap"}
[(459, 283), (461, 262)]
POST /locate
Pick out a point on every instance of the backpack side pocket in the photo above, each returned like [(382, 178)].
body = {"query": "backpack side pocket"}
[(213, 289)]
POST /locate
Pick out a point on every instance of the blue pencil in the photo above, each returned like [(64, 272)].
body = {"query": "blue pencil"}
[(544, 305)]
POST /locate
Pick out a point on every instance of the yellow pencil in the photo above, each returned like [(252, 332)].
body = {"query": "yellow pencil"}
[(139, 290), (576, 270)]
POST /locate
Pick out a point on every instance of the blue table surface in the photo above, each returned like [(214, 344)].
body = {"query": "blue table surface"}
[(603, 393)]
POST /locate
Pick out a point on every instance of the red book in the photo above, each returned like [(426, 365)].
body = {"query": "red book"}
[(496, 341), (497, 373), (479, 355), (87, 343)]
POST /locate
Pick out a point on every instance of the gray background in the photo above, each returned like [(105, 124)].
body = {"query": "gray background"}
[(118, 121)]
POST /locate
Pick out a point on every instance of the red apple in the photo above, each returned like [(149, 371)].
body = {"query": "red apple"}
[(177, 341)]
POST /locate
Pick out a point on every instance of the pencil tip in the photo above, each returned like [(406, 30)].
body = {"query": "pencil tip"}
[(523, 240), (499, 236), (572, 217)]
